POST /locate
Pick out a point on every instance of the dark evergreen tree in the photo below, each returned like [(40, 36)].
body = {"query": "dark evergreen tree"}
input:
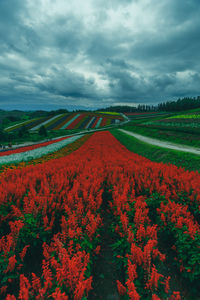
[(23, 131), (42, 131)]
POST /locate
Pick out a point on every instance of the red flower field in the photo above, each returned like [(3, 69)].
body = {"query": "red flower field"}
[(51, 224)]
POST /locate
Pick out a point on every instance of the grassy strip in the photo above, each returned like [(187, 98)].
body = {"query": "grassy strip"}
[(188, 161), (186, 137), (60, 153)]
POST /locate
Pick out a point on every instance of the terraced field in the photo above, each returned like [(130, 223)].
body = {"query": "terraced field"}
[(69, 121)]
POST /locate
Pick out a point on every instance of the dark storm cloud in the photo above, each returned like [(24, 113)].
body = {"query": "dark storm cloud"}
[(68, 84), (55, 54)]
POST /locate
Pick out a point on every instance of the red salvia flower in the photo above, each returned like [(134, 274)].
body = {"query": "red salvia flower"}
[(153, 281), (155, 297), (121, 288), (175, 296), (11, 264), (23, 253), (24, 288), (58, 295), (166, 282), (10, 297)]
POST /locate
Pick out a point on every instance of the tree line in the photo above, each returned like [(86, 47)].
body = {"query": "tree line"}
[(185, 103)]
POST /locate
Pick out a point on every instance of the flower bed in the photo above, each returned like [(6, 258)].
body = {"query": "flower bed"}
[(51, 224), (28, 148), (36, 151)]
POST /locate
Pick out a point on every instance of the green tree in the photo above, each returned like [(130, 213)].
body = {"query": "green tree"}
[(42, 131), (2, 135), (23, 131)]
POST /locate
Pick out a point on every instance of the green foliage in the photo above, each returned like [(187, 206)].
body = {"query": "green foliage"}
[(120, 247), (2, 135), (86, 244), (33, 232), (23, 131), (180, 104), (42, 131)]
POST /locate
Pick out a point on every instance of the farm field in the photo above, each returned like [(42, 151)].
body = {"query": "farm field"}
[(169, 128), (143, 115), (69, 121), (182, 120), (101, 221)]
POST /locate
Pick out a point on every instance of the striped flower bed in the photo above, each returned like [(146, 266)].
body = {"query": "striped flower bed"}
[(34, 123), (51, 124), (26, 124), (46, 122), (104, 121), (13, 127), (59, 123), (38, 152), (80, 120), (90, 122), (98, 123), (69, 121), (85, 122), (75, 121), (28, 148)]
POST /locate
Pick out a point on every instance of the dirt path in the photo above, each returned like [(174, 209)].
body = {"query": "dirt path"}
[(104, 270), (162, 144)]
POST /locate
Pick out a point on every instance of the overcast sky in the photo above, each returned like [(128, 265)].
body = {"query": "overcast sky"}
[(96, 53)]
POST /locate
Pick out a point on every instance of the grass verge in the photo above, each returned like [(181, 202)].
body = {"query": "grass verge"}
[(188, 161)]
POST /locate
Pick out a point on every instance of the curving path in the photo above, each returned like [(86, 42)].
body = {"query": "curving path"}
[(162, 144)]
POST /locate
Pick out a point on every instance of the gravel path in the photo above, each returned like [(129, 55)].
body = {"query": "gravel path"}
[(163, 144)]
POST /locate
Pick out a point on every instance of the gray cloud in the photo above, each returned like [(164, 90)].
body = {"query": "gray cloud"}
[(55, 54)]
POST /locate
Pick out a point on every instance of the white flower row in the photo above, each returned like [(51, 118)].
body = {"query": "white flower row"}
[(37, 153)]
